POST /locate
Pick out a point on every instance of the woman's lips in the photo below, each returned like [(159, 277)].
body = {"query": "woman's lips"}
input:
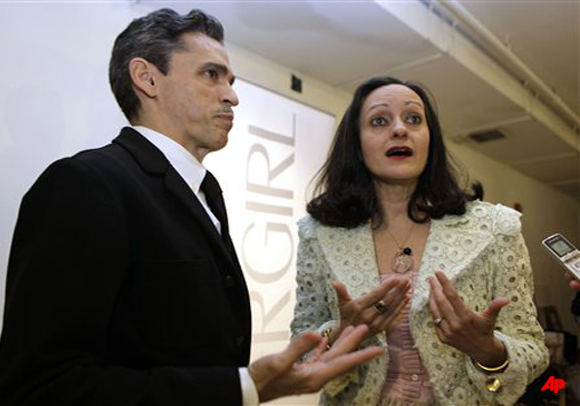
[(401, 152)]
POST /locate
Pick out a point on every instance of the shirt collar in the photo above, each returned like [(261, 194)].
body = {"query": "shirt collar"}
[(188, 167)]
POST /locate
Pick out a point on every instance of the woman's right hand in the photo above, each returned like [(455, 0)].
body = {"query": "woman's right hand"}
[(392, 294)]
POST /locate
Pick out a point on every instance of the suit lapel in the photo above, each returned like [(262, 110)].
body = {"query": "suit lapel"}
[(154, 162), (178, 188)]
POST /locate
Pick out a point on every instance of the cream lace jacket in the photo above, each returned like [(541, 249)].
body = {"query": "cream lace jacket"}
[(482, 252)]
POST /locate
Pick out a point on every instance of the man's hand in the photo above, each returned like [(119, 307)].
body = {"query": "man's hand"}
[(281, 374)]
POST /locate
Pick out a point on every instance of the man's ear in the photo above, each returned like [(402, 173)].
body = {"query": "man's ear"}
[(143, 75)]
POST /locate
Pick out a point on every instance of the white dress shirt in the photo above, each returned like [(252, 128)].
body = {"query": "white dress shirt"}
[(186, 165), (193, 172)]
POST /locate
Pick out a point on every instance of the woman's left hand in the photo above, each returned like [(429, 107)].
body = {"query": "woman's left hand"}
[(460, 327)]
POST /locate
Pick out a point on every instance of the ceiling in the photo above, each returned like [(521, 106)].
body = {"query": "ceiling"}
[(457, 49)]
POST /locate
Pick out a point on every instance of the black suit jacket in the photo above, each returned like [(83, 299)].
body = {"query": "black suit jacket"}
[(120, 291)]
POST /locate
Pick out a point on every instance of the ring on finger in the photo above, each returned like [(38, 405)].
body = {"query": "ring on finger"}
[(438, 321), (380, 306)]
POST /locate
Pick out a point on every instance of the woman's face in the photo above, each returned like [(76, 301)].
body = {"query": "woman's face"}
[(394, 134)]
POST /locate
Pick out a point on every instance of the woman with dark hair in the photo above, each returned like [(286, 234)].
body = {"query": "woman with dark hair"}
[(442, 279)]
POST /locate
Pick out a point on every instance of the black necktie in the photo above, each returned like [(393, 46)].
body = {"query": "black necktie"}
[(213, 196)]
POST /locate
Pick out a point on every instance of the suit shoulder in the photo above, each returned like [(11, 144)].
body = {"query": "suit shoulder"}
[(87, 157), (105, 156), (503, 220), (80, 170), (109, 160)]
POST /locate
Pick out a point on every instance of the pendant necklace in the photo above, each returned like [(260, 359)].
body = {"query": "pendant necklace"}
[(402, 261)]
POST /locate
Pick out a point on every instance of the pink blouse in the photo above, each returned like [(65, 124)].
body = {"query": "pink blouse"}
[(407, 381)]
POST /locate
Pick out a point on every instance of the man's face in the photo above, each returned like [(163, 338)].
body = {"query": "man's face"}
[(195, 98)]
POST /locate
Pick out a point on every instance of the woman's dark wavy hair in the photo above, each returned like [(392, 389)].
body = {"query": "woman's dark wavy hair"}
[(345, 193), (154, 37)]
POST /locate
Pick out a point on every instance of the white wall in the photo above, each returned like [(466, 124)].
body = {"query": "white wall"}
[(54, 98)]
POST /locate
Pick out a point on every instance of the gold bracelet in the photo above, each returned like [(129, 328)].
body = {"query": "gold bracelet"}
[(493, 370), (326, 333)]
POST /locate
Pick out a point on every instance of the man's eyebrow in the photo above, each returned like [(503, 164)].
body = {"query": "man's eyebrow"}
[(222, 69)]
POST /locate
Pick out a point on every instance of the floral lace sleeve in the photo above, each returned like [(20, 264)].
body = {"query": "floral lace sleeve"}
[(517, 326), (315, 308), (312, 311)]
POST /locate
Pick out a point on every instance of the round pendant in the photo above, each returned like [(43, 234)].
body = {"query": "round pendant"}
[(402, 263)]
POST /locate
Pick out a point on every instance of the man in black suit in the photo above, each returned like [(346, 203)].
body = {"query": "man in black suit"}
[(123, 284)]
